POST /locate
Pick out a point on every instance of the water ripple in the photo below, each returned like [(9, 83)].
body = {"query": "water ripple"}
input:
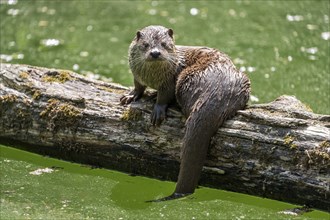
[(325, 35)]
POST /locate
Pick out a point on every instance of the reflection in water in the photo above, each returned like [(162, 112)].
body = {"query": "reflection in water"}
[(13, 12), (84, 54), (249, 69), (43, 23), (294, 17), (41, 171), (194, 11), (311, 27), (310, 51), (75, 67), (8, 58), (89, 28), (50, 42), (312, 57), (152, 11), (325, 35), (254, 98), (239, 61), (8, 2), (47, 10)]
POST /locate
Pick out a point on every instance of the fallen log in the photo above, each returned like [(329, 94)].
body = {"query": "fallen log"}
[(279, 150)]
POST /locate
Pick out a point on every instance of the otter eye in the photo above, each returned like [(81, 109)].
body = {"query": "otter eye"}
[(163, 44)]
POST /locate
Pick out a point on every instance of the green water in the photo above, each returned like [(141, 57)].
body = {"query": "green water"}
[(71, 191), (282, 45)]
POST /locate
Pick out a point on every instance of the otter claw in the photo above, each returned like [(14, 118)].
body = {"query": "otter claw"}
[(132, 96), (159, 114), (126, 99)]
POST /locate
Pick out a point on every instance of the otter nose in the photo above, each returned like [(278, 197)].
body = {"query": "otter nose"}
[(155, 53)]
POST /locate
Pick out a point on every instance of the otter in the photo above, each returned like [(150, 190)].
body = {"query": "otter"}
[(204, 82)]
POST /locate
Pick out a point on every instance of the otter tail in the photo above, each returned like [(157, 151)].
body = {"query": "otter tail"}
[(220, 97)]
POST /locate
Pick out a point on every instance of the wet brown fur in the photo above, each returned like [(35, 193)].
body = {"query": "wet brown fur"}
[(205, 83)]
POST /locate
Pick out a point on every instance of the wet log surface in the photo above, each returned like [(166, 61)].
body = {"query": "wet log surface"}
[(279, 150)]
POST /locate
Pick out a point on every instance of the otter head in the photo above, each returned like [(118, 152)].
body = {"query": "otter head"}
[(155, 43)]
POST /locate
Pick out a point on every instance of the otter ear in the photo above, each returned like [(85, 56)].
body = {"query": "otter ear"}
[(170, 32), (138, 35)]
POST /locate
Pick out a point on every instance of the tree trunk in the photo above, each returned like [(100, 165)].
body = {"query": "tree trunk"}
[(278, 150)]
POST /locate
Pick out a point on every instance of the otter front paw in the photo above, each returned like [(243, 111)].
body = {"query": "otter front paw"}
[(132, 96), (126, 99), (159, 114)]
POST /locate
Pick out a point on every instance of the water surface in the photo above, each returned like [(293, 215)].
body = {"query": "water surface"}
[(36, 187), (282, 45)]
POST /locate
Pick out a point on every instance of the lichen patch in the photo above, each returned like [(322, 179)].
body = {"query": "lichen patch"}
[(131, 114), (24, 75), (289, 141), (10, 98), (57, 76), (61, 115)]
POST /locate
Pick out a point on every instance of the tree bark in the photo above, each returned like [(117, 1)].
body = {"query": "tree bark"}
[(279, 150)]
